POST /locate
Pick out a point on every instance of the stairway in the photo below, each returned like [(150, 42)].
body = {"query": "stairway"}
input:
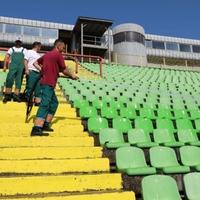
[(66, 165)]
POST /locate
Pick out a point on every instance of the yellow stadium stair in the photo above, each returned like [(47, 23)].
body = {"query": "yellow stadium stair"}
[(64, 166)]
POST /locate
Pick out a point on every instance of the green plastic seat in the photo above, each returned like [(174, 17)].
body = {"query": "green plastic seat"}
[(139, 138), (122, 124), (128, 113), (164, 113), (165, 158), (188, 136), (95, 124), (87, 112), (190, 156), (116, 104), (165, 124), (195, 114), (131, 160), (109, 112), (191, 183), (159, 187), (98, 103), (144, 124), (79, 103), (197, 124), (180, 114), (183, 124), (133, 105), (163, 136), (147, 113), (112, 138)]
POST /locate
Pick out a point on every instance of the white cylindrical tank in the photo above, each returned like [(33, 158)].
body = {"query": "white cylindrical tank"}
[(129, 44)]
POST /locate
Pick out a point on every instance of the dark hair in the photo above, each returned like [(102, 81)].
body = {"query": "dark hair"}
[(35, 44), (58, 41), (18, 43)]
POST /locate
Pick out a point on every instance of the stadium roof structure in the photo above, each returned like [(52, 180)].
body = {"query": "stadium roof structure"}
[(92, 26)]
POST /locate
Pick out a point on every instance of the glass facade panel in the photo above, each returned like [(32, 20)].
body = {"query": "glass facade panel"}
[(50, 33), (1, 27), (148, 44), (196, 48), (172, 46), (119, 37), (14, 29), (129, 36), (185, 48), (31, 31), (158, 45)]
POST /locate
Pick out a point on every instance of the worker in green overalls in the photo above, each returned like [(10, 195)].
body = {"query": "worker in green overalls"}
[(15, 58)]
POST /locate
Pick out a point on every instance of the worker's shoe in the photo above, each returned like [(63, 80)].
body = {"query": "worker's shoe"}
[(37, 131), (7, 98), (47, 127), (16, 98)]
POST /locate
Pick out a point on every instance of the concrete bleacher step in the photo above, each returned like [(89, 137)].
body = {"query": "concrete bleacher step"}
[(31, 153), (46, 142), (65, 165), (30, 185), (56, 166), (108, 195)]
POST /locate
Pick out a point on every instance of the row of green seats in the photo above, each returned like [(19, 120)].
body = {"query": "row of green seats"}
[(162, 187), (95, 124)]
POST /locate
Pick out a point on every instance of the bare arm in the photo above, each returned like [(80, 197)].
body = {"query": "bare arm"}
[(37, 66), (26, 67), (6, 60), (67, 72)]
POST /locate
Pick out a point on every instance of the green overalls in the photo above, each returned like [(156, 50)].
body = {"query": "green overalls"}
[(15, 69), (33, 84)]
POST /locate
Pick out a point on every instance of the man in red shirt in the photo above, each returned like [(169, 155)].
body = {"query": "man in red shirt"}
[(50, 65)]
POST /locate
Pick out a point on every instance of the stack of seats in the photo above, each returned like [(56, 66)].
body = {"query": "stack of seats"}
[(150, 118)]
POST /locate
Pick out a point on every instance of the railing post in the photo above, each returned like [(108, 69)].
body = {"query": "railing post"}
[(101, 67)]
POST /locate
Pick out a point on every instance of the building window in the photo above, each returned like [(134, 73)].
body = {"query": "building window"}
[(148, 44), (50, 33), (13, 29), (129, 36), (196, 48), (158, 45), (119, 37), (31, 31), (185, 48), (172, 46), (1, 28)]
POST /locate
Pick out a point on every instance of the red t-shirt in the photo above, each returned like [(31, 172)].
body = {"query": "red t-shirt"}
[(52, 63)]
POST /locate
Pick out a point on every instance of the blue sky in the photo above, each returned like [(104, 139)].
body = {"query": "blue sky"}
[(165, 17)]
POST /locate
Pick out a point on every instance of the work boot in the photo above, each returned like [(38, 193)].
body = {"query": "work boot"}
[(37, 131), (7, 98), (16, 98), (47, 127)]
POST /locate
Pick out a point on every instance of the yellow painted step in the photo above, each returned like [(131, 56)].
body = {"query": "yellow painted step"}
[(20, 106), (97, 196), (46, 141), (58, 184), (54, 166), (49, 153)]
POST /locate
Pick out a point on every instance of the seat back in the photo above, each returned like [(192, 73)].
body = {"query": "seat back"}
[(190, 155), (163, 135), (187, 136), (165, 124), (122, 124), (95, 124), (159, 187), (144, 124), (130, 157), (138, 136), (110, 135), (163, 157), (192, 182)]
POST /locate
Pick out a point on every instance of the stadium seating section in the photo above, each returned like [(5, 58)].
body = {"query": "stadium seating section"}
[(149, 118), (134, 110)]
